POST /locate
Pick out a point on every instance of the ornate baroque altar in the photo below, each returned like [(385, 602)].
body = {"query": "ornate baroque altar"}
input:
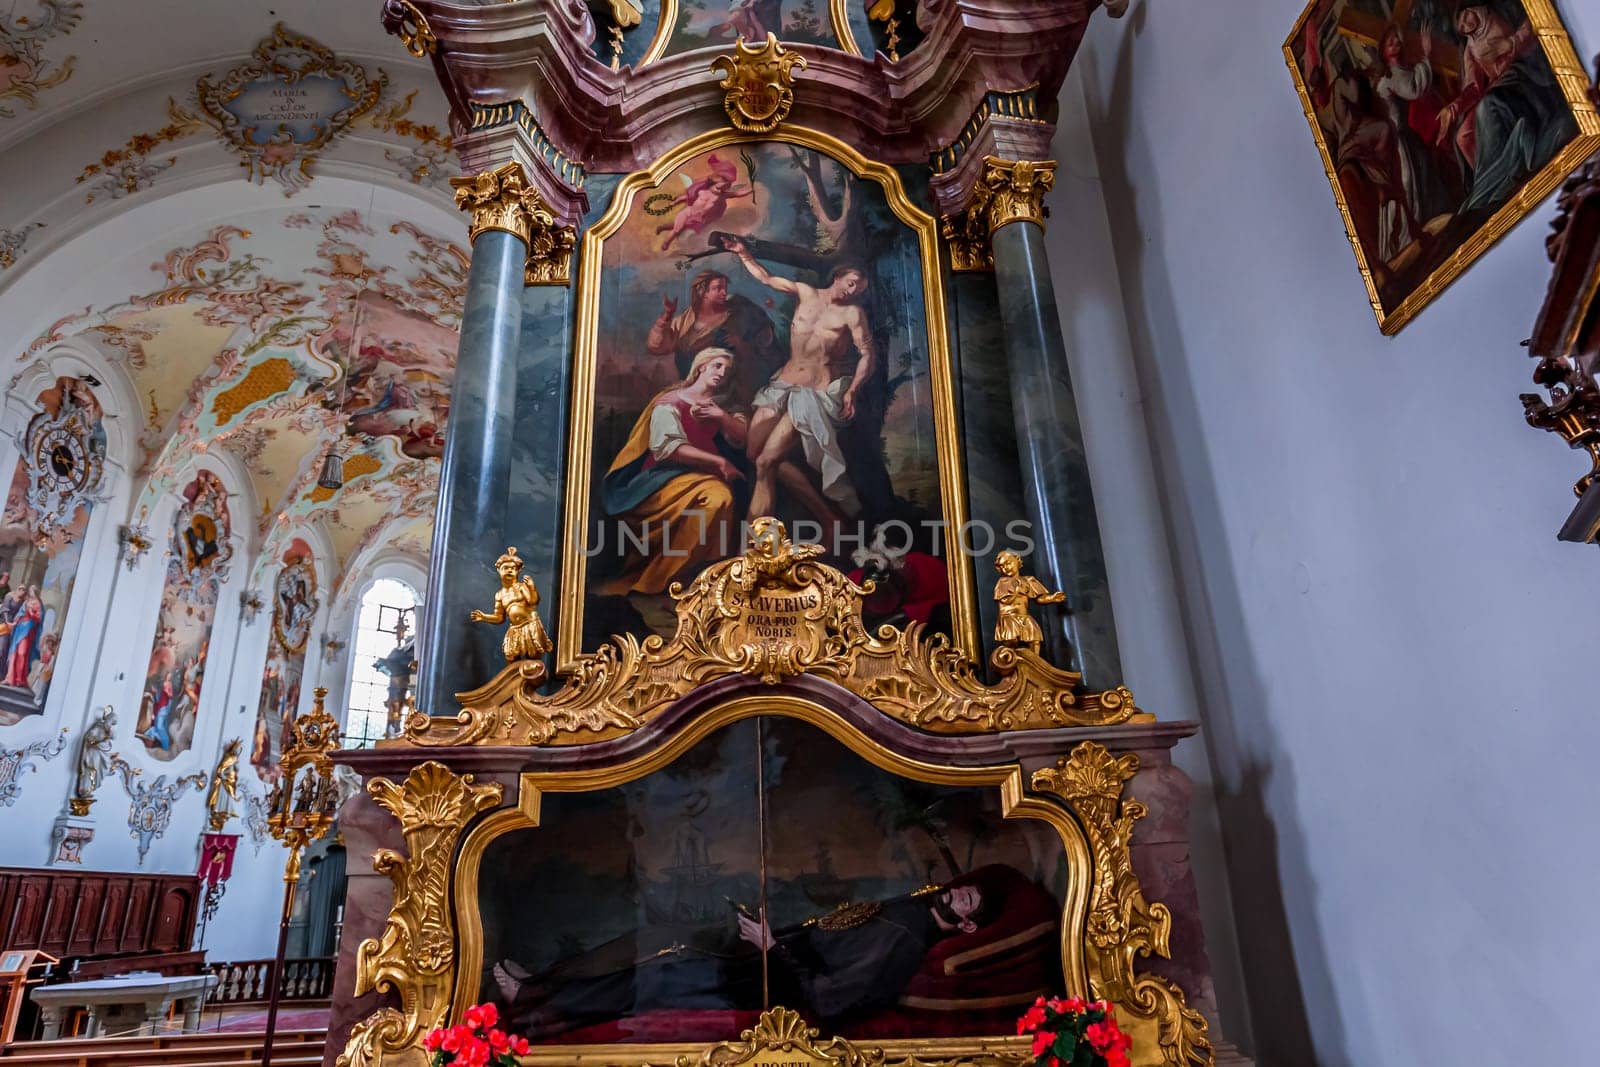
[(780, 799)]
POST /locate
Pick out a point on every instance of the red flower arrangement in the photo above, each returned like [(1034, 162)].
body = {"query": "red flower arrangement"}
[(1075, 1033), (474, 1042)]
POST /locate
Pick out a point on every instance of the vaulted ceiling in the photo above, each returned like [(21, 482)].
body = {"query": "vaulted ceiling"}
[(243, 209)]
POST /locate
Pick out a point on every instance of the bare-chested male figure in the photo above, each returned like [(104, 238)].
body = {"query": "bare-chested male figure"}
[(812, 395)]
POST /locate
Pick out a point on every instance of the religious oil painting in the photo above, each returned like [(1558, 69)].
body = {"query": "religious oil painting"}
[(54, 488), (763, 342), (1440, 122), (294, 604), (688, 25), (769, 865), (197, 566)]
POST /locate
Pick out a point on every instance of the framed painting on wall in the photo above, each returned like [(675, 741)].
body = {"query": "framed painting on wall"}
[(761, 331), (1441, 123)]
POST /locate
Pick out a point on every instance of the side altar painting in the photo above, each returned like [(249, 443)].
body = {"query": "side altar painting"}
[(197, 565), (761, 344), (1440, 122), (53, 491), (892, 907), (294, 604)]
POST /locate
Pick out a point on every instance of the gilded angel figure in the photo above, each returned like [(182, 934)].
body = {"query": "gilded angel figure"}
[(517, 603), (1016, 593)]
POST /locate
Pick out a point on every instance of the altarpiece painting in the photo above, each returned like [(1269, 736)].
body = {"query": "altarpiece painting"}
[(1440, 122), (762, 335), (896, 908)]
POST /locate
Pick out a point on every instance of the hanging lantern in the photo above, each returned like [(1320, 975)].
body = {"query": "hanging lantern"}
[(332, 476)]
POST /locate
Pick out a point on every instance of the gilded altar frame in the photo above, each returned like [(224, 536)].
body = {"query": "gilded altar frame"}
[(952, 473), (1008, 778), (738, 654)]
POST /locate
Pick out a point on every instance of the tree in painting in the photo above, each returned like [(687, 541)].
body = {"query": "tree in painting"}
[(762, 350), (197, 565)]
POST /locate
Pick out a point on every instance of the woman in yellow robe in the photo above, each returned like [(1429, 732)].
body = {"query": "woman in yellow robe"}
[(673, 482)]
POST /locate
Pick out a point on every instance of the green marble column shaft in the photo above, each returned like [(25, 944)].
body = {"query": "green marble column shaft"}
[(469, 527), (539, 440), (1055, 471)]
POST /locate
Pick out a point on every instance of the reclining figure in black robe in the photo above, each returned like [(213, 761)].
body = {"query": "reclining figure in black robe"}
[(834, 969)]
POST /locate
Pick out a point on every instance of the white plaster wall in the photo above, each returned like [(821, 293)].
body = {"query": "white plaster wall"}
[(1139, 562), (1395, 657)]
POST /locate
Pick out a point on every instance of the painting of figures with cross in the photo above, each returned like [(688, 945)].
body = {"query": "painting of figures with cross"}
[(762, 347), (1440, 121)]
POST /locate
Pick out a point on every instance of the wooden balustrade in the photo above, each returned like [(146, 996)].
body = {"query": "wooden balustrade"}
[(250, 981)]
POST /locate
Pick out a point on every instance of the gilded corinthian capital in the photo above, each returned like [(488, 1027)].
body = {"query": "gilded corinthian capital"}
[(498, 199), (1013, 190), (502, 199)]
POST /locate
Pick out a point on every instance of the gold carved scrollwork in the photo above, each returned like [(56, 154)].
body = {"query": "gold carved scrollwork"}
[(967, 236), (415, 956), (1012, 191), (758, 84), (782, 1036), (1122, 924), (412, 25), (549, 247), (774, 612)]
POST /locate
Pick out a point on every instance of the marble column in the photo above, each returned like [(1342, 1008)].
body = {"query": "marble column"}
[(1055, 473), (988, 431), (539, 441), (469, 526)]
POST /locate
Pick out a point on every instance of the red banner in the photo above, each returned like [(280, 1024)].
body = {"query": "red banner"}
[(216, 857)]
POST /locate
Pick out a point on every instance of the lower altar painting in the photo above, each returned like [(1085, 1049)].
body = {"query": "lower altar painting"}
[(895, 908)]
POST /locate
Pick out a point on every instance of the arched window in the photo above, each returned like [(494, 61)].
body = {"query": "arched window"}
[(387, 610)]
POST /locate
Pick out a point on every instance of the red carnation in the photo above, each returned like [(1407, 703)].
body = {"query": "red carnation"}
[(1042, 1042)]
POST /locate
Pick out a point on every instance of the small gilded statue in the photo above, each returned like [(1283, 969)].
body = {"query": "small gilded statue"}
[(1016, 593), (517, 603), (222, 800)]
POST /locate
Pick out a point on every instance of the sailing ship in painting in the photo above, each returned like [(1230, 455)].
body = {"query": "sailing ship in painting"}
[(762, 351)]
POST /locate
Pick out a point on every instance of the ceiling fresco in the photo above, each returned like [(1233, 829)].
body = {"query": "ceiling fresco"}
[(288, 104), (293, 331), (272, 333), (30, 62)]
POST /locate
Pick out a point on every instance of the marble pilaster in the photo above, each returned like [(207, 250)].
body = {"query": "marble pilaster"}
[(539, 440), (469, 529), (1055, 472), (988, 432)]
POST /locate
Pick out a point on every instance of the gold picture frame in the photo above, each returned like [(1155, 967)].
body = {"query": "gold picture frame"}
[(952, 477), (1549, 36), (1016, 803)]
